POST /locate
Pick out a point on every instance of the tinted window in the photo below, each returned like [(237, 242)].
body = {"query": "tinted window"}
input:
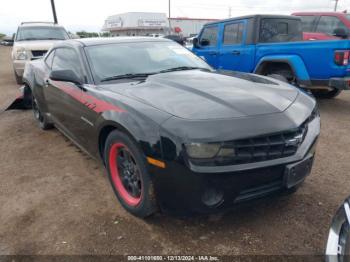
[(210, 34), (41, 33), (66, 59), (327, 24), (49, 59), (137, 58), (307, 23), (280, 30), (233, 34)]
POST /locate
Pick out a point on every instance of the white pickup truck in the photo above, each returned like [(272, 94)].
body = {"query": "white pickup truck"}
[(32, 41)]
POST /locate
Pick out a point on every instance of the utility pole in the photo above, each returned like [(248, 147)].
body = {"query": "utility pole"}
[(336, 5), (54, 11), (229, 12), (169, 17)]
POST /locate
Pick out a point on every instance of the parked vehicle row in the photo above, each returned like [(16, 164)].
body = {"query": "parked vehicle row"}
[(272, 45), (172, 132), (324, 25), (32, 41)]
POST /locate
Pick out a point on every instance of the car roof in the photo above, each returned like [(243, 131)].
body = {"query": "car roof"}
[(48, 24), (253, 16), (113, 40), (320, 13)]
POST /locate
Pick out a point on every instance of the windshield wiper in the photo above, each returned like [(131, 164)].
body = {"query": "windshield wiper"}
[(53, 38), (126, 76), (182, 68)]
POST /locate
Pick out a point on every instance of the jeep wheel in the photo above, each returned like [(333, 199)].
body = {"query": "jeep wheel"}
[(326, 93)]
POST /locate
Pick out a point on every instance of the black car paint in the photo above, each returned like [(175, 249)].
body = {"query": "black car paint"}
[(159, 114)]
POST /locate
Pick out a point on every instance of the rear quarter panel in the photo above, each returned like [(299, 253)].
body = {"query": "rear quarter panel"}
[(35, 73), (318, 56)]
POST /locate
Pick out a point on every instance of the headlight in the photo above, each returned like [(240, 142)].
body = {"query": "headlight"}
[(198, 150), (22, 55)]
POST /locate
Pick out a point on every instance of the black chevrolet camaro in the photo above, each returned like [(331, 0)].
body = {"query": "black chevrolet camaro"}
[(173, 133)]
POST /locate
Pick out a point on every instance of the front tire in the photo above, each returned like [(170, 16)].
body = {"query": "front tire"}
[(42, 119), (128, 175)]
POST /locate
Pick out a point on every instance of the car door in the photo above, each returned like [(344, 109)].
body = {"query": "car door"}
[(64, 98), (208, 45), (234, 53)]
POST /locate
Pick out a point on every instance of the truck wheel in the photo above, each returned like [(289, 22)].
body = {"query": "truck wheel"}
[(128, 175), (278, 77), (326, 94), (43, 122), (18, 78)]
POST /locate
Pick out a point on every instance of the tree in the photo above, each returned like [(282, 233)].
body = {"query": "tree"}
[(105, 34), (84, 34), (2, 36)]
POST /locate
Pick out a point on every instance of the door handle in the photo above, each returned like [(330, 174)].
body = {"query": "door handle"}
[(213, 53), (236, 52)]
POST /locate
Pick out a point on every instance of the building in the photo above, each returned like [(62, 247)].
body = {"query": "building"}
[(143, 24), (188, 27), (137, 24)]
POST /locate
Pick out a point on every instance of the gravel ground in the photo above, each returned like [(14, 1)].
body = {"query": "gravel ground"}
[(56, 200)]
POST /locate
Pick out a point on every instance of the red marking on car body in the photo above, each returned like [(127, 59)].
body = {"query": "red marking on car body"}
[(89, 101)]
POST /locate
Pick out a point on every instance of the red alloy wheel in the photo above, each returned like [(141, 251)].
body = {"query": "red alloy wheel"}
[(125, 174)]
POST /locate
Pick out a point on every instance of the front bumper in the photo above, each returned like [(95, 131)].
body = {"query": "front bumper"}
[(182, 191), (183, 188), (18, 66)]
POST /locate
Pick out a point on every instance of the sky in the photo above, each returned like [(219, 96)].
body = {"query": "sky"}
[(89, 15)]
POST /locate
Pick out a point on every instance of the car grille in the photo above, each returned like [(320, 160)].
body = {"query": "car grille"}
[(38, 53), (261, 148)]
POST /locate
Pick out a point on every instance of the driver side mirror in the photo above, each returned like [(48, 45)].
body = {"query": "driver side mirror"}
[(340, 32), (195, 42), (66, 76), (200, 43)]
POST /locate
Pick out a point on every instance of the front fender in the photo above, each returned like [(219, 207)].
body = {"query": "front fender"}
[(143, 130), (294, 61)]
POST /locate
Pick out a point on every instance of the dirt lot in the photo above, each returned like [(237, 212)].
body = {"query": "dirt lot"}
[(56, 200)]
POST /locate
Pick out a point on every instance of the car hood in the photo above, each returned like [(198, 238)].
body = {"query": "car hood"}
[(200, 95), (35, 44)]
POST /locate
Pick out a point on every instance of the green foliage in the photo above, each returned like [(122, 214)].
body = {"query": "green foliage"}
[(84, 34), (105, 34), (2, 36)]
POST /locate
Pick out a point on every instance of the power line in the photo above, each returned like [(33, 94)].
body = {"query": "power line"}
[(336, 5)]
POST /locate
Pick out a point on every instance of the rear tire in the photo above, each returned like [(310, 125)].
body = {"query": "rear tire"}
[(326, 94), (41, 118), (128, 175)]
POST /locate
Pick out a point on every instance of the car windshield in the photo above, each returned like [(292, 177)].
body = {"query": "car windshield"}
[(134, 59), (41, 33)]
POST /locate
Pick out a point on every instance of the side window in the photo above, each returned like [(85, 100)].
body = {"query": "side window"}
[(274, 30), (209, 36), (66, 59), (327, 24), (49, 59), (233, 34), (307, 23)]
